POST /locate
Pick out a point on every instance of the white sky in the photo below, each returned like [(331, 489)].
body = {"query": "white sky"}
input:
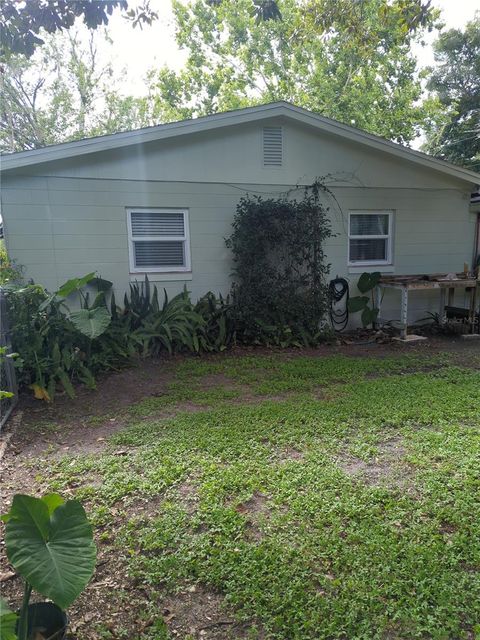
[(154, 46)]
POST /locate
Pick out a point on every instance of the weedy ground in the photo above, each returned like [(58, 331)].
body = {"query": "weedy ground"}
[(282, 496)]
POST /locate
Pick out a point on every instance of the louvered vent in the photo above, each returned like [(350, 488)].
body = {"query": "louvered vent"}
[(147, 223), (272, 146)]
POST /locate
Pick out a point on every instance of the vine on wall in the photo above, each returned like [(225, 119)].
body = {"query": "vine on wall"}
[(280, 269)]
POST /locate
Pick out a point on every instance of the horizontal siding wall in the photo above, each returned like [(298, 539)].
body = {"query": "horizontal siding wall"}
[(59, 228)]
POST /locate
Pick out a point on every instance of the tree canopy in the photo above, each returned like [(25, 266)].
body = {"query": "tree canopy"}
[(349, 61), (65, 92), (455, 85), (21, 24)]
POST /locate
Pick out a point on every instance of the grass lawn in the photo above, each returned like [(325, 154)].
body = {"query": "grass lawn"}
[(280, 496)]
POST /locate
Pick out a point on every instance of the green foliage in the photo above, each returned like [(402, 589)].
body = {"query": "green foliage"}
[(50, 544), (141, 303), (351, 61), (5, 395), (174, 326), (455, 134), (58, 347), (66, 91), (366, 283), (8, 622), (279, 292), (9, 272), (177, 325), (23, 25), (219, 322), (345, 508), (91, 322)]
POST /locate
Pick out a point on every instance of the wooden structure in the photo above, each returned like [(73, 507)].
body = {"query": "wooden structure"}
[(446, 286)]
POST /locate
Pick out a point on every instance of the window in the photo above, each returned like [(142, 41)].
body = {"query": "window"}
[(370, 238), (272, 146), (158, 240)]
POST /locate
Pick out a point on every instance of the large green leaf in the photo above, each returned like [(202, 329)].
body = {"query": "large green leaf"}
[(369, 316), (51, 547), (368, 281), (74, 284), (8, 622), (101, 284), (91, 322), (357, 303)]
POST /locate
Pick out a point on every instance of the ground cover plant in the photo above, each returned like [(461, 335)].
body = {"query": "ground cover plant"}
[(281, 495)]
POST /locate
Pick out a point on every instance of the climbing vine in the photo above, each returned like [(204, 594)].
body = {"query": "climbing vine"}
[(280, 269)]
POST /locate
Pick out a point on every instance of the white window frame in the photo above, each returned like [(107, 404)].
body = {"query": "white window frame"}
[(185, 239), (388, 237)]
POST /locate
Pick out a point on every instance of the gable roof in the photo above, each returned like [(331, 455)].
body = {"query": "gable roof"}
[(225, 119)]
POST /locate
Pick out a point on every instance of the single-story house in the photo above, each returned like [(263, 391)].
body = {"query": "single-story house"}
[(160, 201)]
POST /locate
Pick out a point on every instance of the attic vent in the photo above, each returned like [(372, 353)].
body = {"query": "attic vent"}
[(272, 146)]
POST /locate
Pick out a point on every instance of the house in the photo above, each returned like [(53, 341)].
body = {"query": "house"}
[(160, 201)]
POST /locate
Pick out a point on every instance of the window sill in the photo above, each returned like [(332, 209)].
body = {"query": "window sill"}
[(162, 276), (370, 268)]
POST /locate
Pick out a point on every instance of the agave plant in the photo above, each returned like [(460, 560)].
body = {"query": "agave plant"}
[(219, 318), (176, 326)]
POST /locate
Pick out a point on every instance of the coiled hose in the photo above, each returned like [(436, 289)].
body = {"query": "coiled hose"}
[(338, 289)]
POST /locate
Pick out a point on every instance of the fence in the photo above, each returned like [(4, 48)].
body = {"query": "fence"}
[(8, 380)]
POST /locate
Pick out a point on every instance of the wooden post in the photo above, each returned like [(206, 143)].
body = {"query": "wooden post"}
[(441, 311)]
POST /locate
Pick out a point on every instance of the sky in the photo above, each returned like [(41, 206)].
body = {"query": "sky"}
[(154, 46)]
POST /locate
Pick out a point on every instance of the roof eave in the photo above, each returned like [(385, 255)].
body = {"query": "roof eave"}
[(162, 132)]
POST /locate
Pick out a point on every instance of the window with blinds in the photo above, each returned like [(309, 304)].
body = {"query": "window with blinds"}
[(370, 238), (272, 146), (158, 240)]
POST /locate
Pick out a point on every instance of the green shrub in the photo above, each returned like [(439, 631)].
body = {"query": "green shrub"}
[(9, 272), (219, 328), (60, 347), (279, 293), (174, 326), (177, 325)]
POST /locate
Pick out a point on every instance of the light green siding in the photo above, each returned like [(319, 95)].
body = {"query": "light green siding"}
[(67, 218)]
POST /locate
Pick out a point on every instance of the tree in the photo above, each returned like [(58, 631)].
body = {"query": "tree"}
[(347, 60), (63, 93), (455, 133), (22, 23)]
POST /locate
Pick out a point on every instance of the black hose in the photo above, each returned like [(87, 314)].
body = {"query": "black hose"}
[(338, 289)]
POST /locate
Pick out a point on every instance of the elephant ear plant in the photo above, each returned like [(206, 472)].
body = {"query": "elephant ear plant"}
[(366, 284), (50, 544)]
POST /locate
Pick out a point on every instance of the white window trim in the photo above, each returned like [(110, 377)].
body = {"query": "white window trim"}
[(185, 239), (388, 237)]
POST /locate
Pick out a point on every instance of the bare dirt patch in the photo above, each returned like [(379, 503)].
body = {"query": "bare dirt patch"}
[(200, 613), (288, 454), (255, 510), (188, 496), (387, 468)]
